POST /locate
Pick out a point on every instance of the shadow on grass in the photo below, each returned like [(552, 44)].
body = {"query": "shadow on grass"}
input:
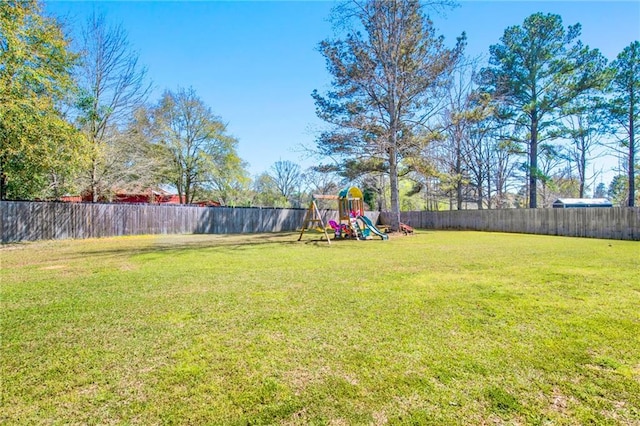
[(96, 249)]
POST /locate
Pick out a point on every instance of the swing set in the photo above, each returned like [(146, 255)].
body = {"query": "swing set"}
[(352, 223), (313, 217)]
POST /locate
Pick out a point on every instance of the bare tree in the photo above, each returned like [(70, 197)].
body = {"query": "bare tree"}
[(113, 85), (467, 123), (583, 126), (503, 165), (455, 118), (320, 182), (478, 158), (287, 177)]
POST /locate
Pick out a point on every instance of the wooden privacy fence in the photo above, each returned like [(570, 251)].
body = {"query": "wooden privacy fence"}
[(30, 221), (618, 223)]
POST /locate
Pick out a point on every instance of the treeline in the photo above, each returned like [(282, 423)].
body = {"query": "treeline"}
[(415, 123), (76, 118), (530, 125), (536, 122)]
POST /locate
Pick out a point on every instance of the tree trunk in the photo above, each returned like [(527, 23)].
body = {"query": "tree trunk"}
[(93, 136), (488, 189), (393, 183), (632, 149), (3, 180), (533, 164), (380, 191), (458, 171), (94, 181), (187, 191), (179, 190), (581, 176)]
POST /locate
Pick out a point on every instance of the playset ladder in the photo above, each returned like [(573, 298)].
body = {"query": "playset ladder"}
[(312, 217)]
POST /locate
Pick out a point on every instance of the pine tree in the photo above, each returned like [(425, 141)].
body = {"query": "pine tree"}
[(625, 107), (535, 71), (385, 81)]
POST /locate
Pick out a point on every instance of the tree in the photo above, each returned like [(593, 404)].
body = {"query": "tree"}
[(503, 166), (287, 177), (600, 191), (625, 107), (583, 127), (478, 154), (112, 87), (537, 69), (551, 157), (37, 145), (195, 143), (266, 192), (319, 181), (230, 183), (467, 125), (618, 190), (136, 150), (384, 80), (456, 119)]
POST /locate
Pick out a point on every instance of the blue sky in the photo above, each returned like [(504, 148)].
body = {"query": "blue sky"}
[(255, 63)]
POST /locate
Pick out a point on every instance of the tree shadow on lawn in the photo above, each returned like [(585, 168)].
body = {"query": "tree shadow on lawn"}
[(97, 249)]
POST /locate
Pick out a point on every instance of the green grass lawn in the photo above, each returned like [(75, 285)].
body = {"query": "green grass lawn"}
[(437, 328)]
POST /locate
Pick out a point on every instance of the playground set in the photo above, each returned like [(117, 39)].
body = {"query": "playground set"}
[(352, 222)]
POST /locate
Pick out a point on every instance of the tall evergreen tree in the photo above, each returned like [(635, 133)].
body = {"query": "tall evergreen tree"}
[(625, 107), (385, 73), (535, 70)]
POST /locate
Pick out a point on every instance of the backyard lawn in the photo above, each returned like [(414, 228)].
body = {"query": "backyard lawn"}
[(437, 328)]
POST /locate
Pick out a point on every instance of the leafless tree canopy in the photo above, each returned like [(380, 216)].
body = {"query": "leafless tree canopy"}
[(112, 86)]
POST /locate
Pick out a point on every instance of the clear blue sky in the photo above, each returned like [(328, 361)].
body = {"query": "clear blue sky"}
[(255, 63)]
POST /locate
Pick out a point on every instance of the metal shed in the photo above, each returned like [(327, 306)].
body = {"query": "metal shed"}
[(565, 203)]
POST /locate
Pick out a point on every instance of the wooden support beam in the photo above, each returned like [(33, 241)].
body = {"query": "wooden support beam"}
[(311, 217)]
